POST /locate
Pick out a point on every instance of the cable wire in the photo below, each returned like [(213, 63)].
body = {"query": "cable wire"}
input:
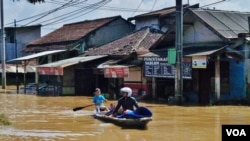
[(75, 14), (71, 1), (137, 7)]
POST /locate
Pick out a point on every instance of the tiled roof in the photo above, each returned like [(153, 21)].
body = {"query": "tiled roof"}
[(140, 42), (68, 34), (227, 24)]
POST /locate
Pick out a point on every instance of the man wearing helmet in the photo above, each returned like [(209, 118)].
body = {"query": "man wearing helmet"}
[(126, 101)]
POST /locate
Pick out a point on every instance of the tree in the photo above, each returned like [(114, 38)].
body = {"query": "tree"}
[(33, 1)]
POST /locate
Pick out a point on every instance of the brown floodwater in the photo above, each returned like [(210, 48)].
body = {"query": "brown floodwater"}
[(36, 118)]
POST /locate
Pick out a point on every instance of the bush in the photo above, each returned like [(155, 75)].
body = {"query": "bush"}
[(4, 120)]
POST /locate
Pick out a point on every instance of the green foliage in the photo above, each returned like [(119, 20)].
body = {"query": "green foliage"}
[(33, 1), (4, 120)]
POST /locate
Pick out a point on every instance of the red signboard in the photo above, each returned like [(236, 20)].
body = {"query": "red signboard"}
[(116, 72), (50, 70)]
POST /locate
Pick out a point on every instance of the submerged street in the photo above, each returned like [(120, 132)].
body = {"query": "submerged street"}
[(36, 118)]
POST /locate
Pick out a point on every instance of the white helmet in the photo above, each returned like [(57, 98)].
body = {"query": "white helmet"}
[(127, 90)]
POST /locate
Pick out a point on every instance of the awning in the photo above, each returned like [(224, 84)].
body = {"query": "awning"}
[(207, 53), (11, 68), (111, 68), (56, 68), (108, 63), (150, 54), (36, 55)]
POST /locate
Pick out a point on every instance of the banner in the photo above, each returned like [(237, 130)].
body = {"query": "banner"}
[(116, 72), (50, 70)]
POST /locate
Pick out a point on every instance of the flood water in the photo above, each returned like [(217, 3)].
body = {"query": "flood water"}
[(36, 118)]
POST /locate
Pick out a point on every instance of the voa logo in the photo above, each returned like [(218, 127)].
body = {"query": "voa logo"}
[(236, 132)]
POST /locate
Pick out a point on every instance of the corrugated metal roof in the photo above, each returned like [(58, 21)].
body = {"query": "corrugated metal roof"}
[(187, 51), (226, 23), (36, 55), (151, 54), (72, 61), (162, 12), (205, 53)]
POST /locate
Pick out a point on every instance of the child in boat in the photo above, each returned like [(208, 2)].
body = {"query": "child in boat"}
[(99, 100), (111, 109)]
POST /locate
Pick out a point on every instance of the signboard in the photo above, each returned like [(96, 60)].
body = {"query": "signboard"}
[(199, 62), (50, 70), (116, 72), (158, 67)]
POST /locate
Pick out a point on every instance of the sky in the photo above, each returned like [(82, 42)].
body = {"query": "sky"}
[(53, 14)]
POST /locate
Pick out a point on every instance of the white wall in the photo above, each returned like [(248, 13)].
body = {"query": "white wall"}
[(198, 33), (113, 31), (146, 22), (134, 75)]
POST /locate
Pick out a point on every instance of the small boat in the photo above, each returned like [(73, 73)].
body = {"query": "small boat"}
[(134, 119)]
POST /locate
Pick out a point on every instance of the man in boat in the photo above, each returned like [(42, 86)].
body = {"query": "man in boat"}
[(99, 100), (126, 102)]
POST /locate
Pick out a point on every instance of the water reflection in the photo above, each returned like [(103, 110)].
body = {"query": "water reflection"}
[(37, 118)]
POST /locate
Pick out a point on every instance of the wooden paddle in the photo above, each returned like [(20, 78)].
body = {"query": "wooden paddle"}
[(79, 108)]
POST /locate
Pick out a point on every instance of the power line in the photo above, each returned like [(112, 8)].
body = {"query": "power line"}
[(79, 4), (40, 14), (74, 14), (50, 12), (153, 5), (110, 8), (213, 3), (137, 7)]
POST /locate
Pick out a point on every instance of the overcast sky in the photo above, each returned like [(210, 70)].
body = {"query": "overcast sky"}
[(54, 13)]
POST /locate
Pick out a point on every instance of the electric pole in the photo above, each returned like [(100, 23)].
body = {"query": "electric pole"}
[(179, 50), (17, 81), (3, 47)]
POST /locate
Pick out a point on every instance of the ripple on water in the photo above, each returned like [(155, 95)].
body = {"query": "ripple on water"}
[(42, 133)]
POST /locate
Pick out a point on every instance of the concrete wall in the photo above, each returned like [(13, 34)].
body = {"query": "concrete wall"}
[(237, 80), (147, 23), (68, 87), (115, 30), (24, 35), (198, 33)]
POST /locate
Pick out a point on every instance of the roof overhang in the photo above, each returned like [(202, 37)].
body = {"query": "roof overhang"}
[(12, 68), (248, 40), (208, 53), (56, 68), (36, 55), (150, 54), (234, 54)]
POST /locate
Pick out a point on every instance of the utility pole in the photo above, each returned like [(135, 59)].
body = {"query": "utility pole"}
[(179, 49), (17, 81), (3, 47)]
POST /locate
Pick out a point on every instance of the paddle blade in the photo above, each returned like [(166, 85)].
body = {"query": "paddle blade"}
[(77, 108)]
